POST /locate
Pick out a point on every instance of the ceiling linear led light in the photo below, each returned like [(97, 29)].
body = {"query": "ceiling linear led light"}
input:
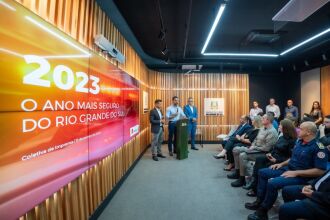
[(305, 41), (7, 5), (271, 55), (241, 54), (86, 53), (215, 23)]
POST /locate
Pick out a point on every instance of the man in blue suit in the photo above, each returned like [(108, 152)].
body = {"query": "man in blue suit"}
[(191, 113)]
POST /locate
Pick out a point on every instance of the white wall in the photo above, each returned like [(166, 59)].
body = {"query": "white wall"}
[(310, 89)]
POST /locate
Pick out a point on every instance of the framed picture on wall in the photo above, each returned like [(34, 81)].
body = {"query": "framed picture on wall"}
[(214, 106), (145, 102)]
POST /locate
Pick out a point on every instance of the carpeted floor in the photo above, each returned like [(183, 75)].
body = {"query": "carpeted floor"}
[(170, 189)]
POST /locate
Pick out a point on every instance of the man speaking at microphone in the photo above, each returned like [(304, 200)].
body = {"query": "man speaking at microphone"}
[(173, 113)]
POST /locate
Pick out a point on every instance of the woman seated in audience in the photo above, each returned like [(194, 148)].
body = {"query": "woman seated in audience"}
[(316, 113), (280, 152), (255, 110), (294, 121), (243, 140)]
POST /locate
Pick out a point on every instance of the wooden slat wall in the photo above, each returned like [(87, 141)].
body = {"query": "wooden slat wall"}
[(325, 89), (234, 88), (83, 19)]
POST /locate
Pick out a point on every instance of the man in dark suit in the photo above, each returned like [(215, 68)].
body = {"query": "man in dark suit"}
[(157, 130), (307, 202), (244, 126), (191, 113)]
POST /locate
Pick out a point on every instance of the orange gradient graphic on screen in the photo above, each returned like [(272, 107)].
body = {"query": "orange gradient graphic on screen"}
[(62, 109)]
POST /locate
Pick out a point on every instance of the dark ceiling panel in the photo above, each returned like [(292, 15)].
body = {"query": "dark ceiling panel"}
[(240, 18)]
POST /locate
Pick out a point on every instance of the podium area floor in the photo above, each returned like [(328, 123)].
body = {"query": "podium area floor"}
[(192, 189)]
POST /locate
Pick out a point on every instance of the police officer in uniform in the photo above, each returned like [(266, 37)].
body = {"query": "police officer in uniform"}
[(313, 200), (309, 160)]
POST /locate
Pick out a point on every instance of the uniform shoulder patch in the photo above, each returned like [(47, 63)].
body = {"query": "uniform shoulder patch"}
[(320, 145), (321, 155)]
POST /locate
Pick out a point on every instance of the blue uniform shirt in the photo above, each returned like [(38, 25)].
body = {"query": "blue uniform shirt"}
[(308, 155)]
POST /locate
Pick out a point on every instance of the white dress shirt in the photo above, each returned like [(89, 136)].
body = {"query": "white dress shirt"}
[(160, 116), (273, 108), (318, 183)]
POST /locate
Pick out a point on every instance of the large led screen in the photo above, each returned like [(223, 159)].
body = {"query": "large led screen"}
[(62, 109)]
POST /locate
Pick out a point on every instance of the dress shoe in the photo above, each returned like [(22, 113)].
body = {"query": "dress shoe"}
[(171, 154), (239, 182), (194, 148), (260, 214), (251, 193), (250, 185), (233, 175), (218, 157), (155, 158), (253, 205), (229, 167), (161, 155)]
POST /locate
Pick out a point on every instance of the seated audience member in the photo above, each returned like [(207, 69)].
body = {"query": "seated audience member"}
[(243, 127), (272, 107), (325, 133), (315, 113), (255, 110), (308, 160), (281, 152), (263, 143), (291, 110), (313, 200), (225, 137), (289, 115), (304, 119), (274, 122), (243, 140), (291, 118)]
